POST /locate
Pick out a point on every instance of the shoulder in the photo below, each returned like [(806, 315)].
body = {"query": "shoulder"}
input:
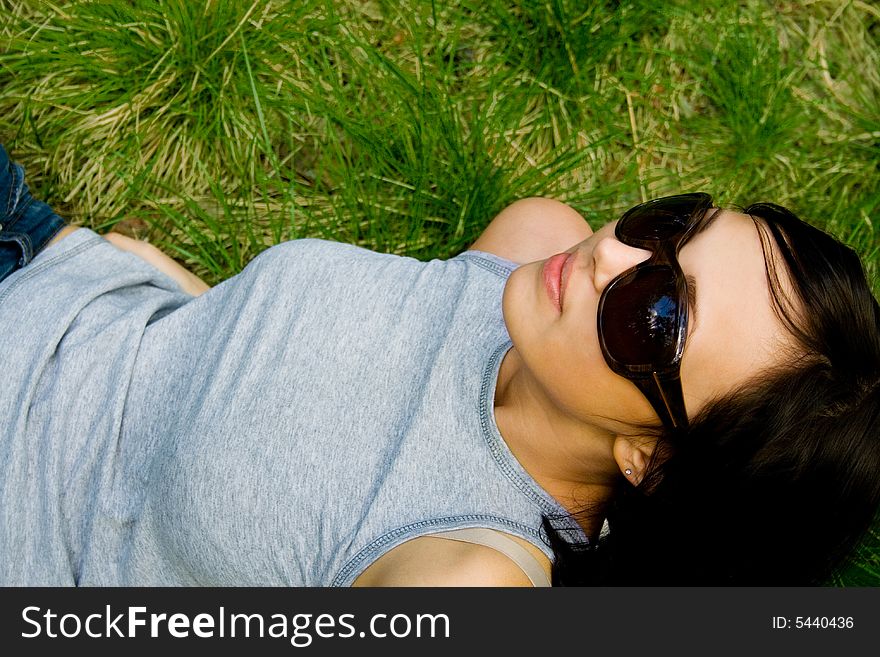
[(437, 562), (533, 229)]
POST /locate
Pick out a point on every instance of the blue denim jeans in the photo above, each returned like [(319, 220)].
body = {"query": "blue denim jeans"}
[(26, 224)]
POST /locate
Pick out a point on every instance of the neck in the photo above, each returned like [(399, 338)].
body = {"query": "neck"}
[(568, 457)]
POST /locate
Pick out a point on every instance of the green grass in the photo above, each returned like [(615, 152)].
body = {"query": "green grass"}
[(219, 128)]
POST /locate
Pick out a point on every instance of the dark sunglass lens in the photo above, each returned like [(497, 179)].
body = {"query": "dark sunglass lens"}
[(642, 317), (660, 219), (653, 226)]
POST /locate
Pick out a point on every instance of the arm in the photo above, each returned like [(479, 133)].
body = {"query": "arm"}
[(533, 229), (64, 232), (188, 281)]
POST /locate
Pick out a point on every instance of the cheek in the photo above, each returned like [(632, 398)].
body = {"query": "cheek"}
[(566, 363), (582, 386), (565, 360), (577, 382)]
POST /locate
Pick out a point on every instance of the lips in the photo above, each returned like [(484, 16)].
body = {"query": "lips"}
[(555, 273)]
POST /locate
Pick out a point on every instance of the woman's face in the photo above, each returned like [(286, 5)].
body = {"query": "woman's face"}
[(733, 332)]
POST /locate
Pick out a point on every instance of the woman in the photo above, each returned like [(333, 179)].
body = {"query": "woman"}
[(705, 380)]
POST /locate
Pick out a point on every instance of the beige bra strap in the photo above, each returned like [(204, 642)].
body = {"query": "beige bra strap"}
[(505, 545)]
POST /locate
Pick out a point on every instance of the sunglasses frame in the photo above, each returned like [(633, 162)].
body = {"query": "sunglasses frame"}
[(659, 382)]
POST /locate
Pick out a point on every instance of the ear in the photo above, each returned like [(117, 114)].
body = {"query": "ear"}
[(633, 453)]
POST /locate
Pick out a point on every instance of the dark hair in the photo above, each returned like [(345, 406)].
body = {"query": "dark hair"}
[(777, 482)]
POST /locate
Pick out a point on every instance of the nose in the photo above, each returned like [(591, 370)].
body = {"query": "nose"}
[(611, 258)]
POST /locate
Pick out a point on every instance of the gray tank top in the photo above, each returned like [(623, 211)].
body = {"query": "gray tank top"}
[(288, 427)]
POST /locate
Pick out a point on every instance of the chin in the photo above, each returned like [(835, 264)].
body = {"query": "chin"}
[(527, 311), (519, 303)]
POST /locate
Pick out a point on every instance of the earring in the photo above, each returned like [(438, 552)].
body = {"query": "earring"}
[(627, 472)]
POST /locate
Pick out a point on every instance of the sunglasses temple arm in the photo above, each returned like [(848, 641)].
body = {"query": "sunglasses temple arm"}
[(666, 397)]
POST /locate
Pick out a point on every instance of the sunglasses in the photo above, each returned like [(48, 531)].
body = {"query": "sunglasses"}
[(643, 312)]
